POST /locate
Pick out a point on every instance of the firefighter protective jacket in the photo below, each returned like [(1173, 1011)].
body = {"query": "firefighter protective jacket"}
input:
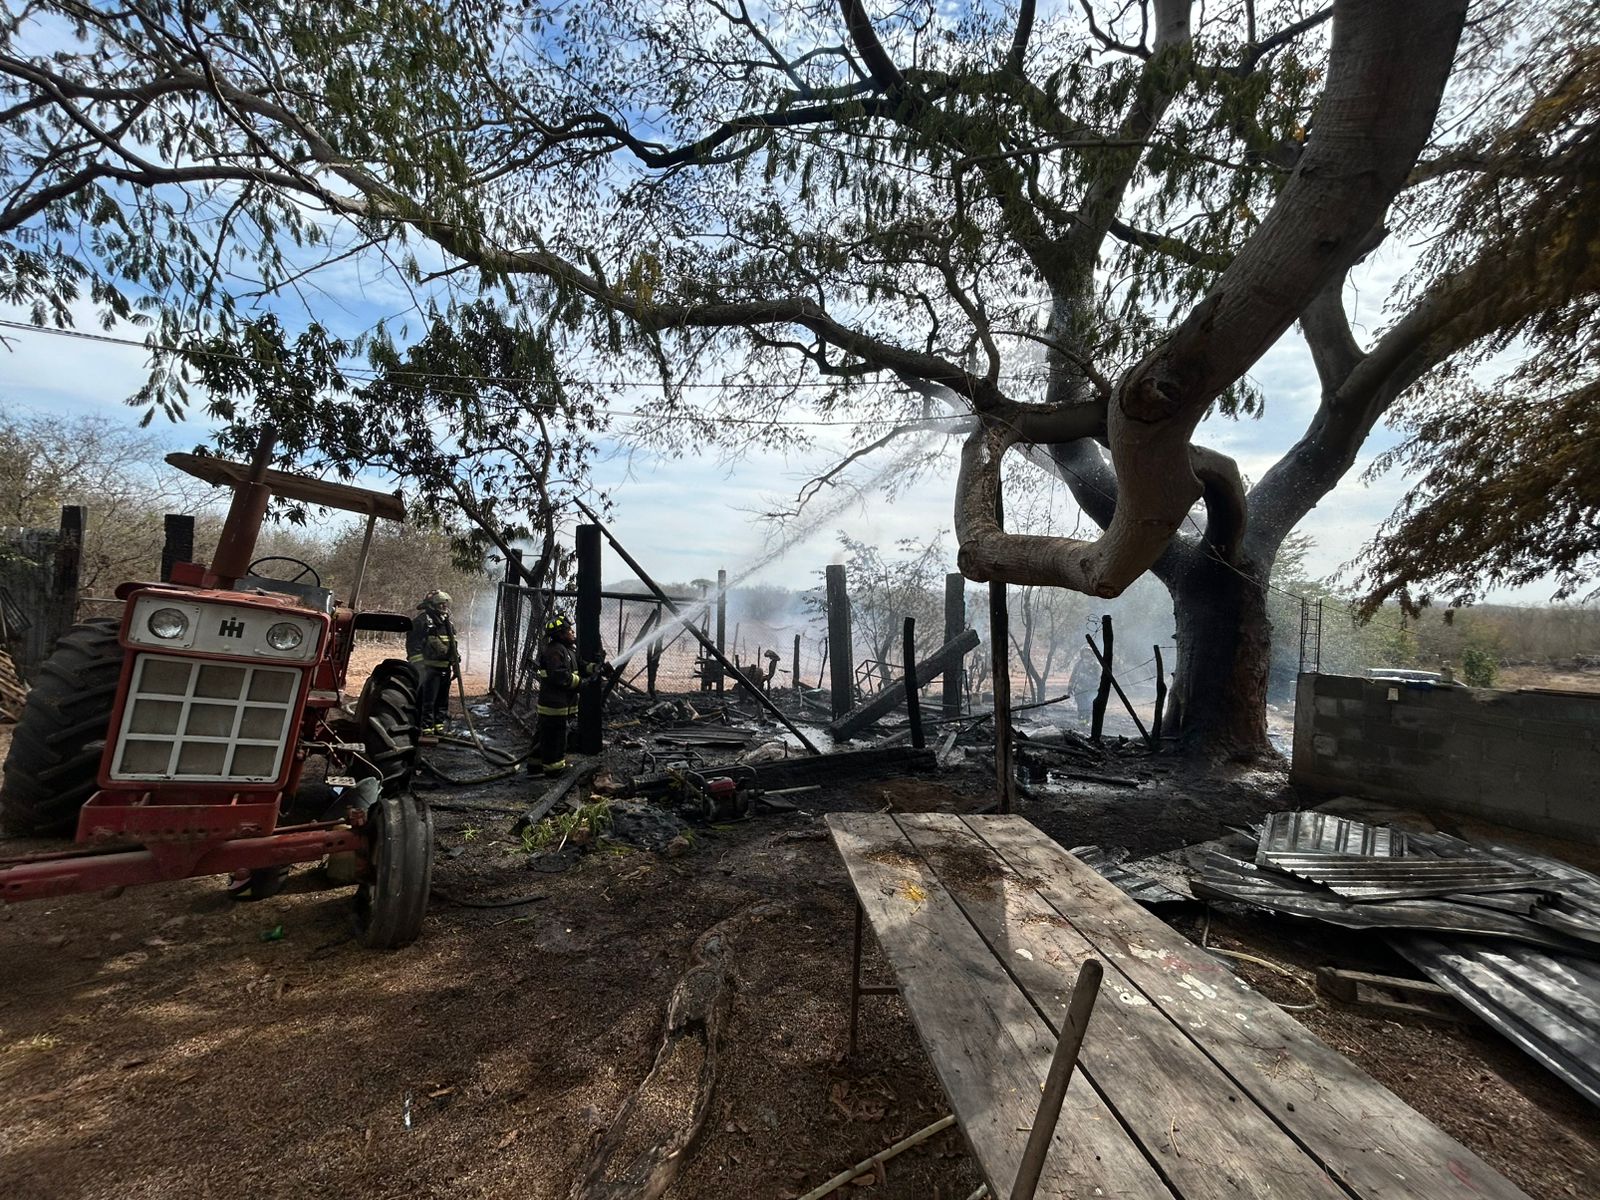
[(432, 640), (558, 680)]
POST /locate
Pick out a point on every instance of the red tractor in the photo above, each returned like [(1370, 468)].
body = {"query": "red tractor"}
[(175, 741)]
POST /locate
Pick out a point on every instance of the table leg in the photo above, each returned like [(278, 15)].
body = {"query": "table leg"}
[(855, 980), (857, 990), (1065, 1058)]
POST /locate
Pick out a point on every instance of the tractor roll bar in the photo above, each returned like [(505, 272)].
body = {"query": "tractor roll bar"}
[(237, 544)]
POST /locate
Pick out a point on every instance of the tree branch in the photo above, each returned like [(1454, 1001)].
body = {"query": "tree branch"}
[(1019, 39)]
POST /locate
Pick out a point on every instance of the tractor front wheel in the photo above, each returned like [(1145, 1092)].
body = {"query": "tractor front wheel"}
[(388, 720), (55, 750), (393, 898)]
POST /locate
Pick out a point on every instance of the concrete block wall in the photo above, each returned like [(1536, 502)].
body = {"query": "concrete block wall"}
[(1530, 760)]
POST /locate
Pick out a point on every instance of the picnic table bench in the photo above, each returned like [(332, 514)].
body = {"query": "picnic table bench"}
[(1190, 1084)]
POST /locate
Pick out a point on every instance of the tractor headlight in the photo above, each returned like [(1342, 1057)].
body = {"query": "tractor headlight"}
[(285, 635), (167, 624)]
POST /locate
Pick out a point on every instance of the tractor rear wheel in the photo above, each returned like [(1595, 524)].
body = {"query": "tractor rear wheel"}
[(57, 744), (387, 717), (392, 900)]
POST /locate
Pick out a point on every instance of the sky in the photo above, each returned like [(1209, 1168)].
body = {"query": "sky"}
[(688, 517)]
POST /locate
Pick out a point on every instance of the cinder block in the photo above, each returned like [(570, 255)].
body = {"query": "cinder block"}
[(1353, 710), (1580, 759), (1434, 743), (1326, 706), (1557, 732), (1418, 716), (1577, 810), (1339, 727), (1583, 711), (1325, 745), (1341, 687), (1383, 734), (1512, 753)]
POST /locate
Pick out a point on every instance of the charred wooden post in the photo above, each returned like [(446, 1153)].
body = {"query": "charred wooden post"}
[(590, 701), (652, 657), (839, 640), (177, 544), (955, 620), (893, 696), (913, 699), (67, 573), (1105, 668), (1161, 695), (502, 670), (1098, 721), (722, 623), (794, 674)]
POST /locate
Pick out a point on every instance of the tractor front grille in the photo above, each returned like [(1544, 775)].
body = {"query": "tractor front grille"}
[(195, 720)]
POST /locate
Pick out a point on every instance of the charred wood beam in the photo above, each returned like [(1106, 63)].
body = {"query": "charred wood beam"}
[(947, 657)]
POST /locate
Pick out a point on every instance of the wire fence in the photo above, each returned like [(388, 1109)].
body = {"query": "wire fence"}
[(657, 651), (660, 653)]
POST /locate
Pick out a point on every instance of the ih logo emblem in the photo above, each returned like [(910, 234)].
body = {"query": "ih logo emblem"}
[(231, 628)]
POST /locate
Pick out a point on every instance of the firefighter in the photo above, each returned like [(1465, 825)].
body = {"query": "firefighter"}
[(1085, 682), (432, 651), (559, 679)]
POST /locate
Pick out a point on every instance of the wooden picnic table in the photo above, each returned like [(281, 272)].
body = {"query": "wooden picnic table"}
[(1191, 1085)]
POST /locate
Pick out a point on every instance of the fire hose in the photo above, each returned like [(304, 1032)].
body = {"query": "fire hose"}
[(508, 763)]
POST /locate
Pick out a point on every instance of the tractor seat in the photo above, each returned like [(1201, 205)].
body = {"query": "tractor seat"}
[(317, 599)]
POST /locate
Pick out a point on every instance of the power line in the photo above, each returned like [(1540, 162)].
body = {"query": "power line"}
[(636, 414), (375, 373)]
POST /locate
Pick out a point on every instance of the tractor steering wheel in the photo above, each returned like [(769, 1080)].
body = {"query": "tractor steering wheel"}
[(305, 569)]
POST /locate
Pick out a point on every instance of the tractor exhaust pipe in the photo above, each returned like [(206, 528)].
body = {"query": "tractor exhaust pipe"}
[(237, 546)]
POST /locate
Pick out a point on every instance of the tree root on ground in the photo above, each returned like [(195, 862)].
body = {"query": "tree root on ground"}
[(655, 1132)]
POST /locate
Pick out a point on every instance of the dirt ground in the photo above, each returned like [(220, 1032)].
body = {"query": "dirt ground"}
[(171, 1043)]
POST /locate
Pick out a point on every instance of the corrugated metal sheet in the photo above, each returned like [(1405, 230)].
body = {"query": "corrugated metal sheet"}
[(1369, 879), (1548, 1004), (1142, 889), (1323, 833), (1224, 878)]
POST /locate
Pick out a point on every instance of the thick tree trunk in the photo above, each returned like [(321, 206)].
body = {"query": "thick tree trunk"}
[(1219, 697)]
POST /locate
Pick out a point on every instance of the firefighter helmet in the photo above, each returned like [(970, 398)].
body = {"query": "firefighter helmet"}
[(437, 598), (558, 626)]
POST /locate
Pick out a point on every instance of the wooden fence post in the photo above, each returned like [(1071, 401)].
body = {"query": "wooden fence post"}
[(590, 701), (177, 544), (68, 572), (722, 626), (1104, 694), (913, 699), (955, 620), (1161, 695), (839, 642)]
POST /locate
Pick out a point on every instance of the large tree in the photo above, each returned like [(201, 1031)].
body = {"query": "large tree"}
[(1076, 230)]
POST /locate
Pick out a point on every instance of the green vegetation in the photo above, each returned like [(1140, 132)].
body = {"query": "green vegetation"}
[(1478, 668), (584, 825)]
